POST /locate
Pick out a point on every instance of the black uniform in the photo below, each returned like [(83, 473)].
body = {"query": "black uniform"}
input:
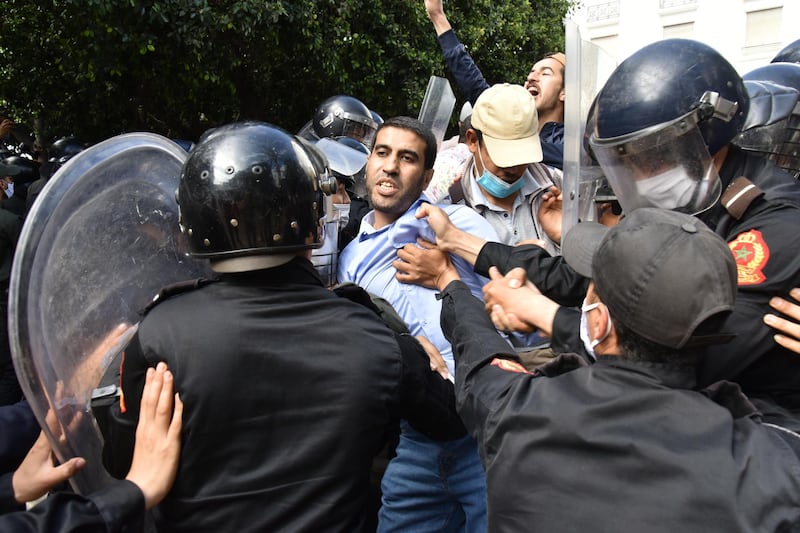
[(615, 446), (551, 274), (10, 227), (118, 508), (288, 390), (554, 278), (765, 241)]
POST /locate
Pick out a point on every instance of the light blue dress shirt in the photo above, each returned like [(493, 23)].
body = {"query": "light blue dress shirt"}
[(367, 262)]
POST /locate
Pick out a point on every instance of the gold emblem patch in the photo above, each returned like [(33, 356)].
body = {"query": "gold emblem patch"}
[(751, 254)]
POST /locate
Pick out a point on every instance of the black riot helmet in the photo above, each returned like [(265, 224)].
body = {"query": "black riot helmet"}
[(251, 188), (666, 80), (63, 150), (660, 117), (773, 123), (376, 117), (345, 116), (783, 73), (789, 54), (19, 169)]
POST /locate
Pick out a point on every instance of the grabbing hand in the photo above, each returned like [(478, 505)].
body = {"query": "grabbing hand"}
[(505, 297), (550, 213), (424, 264), (439, 222)]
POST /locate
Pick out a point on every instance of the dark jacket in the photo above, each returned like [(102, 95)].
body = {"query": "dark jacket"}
[(614, 446), (551, 274), (289, 392), (765, 241), (18, 431), (554, 278), (472, 83), (118, 508)]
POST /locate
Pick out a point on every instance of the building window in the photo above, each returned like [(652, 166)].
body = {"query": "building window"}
[(604, 11), (763, 27), (667, 4), (608, 44), (679, 31)]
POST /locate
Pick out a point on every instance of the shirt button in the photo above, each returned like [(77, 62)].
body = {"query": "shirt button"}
[(505, 215)]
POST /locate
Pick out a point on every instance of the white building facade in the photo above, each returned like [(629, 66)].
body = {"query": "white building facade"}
[(747, 32)]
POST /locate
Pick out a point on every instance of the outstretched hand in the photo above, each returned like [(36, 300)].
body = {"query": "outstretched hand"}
[(158, 437)]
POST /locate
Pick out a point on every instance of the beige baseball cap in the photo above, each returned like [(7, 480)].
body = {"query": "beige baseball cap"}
[(506, 115)]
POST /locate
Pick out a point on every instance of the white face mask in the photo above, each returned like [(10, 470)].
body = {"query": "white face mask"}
[(668, 190), (9, 190), (588, 343)]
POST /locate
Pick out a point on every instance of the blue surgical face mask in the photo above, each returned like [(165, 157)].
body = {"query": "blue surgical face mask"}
[(494, 185)]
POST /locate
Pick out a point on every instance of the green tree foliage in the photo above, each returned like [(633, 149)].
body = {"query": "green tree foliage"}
[(97, 68)]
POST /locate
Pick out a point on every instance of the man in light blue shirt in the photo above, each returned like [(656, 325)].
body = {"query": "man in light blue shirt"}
[(429, 485)]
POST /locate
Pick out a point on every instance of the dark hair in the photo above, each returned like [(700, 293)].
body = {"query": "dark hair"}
[(462, 129), (421, 130), (634, 347)]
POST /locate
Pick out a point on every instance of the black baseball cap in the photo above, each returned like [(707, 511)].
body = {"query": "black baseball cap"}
[(661, 273)]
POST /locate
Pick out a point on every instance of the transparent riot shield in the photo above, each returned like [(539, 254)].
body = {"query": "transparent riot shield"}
[(98, 244), (437, 106), (588, 68)]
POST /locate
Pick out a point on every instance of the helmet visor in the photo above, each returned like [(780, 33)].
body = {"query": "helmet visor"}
[(326, 258), (779, 141), (360, 128), (666, 166)]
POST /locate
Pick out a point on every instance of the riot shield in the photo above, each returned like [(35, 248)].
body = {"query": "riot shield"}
[(100, 241), (588, 68), (437, 106)]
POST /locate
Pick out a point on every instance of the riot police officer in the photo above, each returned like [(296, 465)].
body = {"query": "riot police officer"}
[(288, 389), (664, 122), (773, 122)]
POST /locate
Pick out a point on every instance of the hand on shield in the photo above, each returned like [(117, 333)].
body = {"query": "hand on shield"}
[(155, 456), (38, 473), (550, 213)]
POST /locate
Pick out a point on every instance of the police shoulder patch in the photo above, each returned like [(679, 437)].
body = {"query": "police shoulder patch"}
[(509, 366), (751, 254)]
